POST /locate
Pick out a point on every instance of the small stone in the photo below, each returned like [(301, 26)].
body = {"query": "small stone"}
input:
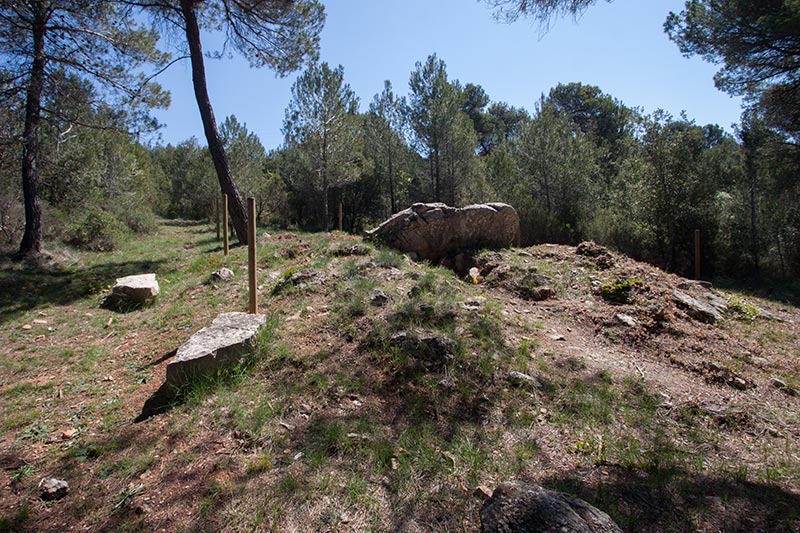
[(39, 321), (760, 362), (482, 492), (69, 434), (627, 320), (223, 274), (778, 383), (142, 508), (53, 489), (520, 379), (739, 383), (26, 326), (558, 337), (378, 298)]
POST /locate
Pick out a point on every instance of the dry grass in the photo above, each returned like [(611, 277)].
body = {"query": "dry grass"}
[(331, 427)]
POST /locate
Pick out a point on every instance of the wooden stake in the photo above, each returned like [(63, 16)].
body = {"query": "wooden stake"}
[(697, 254), (341, 209), (217, 215), (225, 247), (251, 253)]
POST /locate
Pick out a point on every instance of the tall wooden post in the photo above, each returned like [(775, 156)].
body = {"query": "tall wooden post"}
[(225, 247), (697, 254), (341, 209), (216, 204), (251, 253)]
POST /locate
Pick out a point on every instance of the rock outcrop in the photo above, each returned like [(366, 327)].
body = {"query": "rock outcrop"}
[(434, 231), (522, 508), (708, 309)]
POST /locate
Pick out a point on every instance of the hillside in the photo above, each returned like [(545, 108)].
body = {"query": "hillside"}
[(387, 395)]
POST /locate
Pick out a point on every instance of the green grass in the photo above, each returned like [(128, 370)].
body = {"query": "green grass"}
[(326, 425)]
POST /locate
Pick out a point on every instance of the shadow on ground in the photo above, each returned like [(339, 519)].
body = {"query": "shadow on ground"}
[(677, 500), (26, 286)]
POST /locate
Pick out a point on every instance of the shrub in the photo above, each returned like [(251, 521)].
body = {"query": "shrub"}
[(94, 229)]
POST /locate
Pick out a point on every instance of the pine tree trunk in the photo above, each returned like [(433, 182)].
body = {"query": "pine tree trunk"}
[(325, 184), (391, 183), (221, 165), (32, 237)]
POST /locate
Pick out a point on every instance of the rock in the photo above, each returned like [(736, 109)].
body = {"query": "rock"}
[(433, 231), (534, 286), (778, 383), (482, 492), (303, 279), (523, 508), (763, 313), (590, 249), (782, 385), (603, 258), (223, 342), (223, 274), (431, 348), (626, 320), (378, 298), (53, 489), (697, 309), (739, 383), (142, 509), (473, 304), (519, 379), (132, 291), (760, 362), (694, 284)]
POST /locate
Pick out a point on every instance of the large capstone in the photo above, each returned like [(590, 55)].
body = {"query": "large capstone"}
[(132, 291), (523, 508), (434, 231), (224, 342)]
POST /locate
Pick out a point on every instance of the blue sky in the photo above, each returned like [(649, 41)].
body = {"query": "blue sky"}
[(620, 47)]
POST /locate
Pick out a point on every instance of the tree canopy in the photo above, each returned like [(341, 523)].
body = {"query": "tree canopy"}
[(758, 44), (45, 47)]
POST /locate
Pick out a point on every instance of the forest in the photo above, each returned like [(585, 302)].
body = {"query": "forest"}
[(579, 165)]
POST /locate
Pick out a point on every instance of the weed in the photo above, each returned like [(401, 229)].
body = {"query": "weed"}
[(741, 308), (261, 463), (619, 291), (127, 493), (22, 472)]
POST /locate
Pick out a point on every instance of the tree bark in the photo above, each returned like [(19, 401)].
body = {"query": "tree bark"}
[(391, 182), (218, 155), (325, 184), (32, 237)]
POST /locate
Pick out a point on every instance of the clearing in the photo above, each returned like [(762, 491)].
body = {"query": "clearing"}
[(379, 396)]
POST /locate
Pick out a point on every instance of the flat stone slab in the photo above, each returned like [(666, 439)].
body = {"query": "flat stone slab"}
[(223, 342), (133, 290), (706, 311)]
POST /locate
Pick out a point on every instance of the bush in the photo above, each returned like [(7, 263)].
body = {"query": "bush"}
[(139, 218), (94, 229)]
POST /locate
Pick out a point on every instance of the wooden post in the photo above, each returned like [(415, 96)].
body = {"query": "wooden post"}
[(217, 215), (697, 254), (225, 247), (251, 253), (341, 209)]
